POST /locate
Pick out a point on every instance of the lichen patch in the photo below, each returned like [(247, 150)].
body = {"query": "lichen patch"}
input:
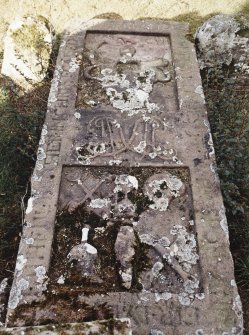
[(16, 292)]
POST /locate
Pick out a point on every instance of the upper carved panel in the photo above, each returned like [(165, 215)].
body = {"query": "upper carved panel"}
[(124, 71)]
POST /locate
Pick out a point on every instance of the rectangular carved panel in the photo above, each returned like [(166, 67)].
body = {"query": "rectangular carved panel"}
[(122, 229)]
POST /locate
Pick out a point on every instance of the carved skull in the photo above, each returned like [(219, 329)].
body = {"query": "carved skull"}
[(162, 188)]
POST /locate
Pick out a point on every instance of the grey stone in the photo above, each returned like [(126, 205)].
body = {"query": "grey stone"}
[(219, 43), (85, 255), (103, 327), (126, 124), (27, 49), (125, 251)]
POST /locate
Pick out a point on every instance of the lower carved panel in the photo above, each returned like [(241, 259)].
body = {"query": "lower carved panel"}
[(125, 229)]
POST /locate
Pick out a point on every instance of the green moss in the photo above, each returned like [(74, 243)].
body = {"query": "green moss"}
[(195, 20), (109, 16), (30, 36), (243, 19)]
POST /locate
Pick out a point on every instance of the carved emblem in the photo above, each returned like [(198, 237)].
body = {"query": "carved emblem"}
[(119, 216), (109, 139)]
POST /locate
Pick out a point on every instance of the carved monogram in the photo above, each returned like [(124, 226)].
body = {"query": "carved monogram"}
[(109, 139)]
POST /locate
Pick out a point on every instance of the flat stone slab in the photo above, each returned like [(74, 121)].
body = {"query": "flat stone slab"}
[(103, 327), (126, 218)]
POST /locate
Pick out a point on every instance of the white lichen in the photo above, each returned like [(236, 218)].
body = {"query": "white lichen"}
[(129, 96), (41, 278), (126, 277), (199, 91), (157, 267), (28, 240), (61, 280), (200, 296), (185, 247), (99, 203), (100, 230), (223, 221), (184, 299), (55, 86), (237, 306), (3, 285), (77, 115), (156, 332), (36, 178), (41, 154), (163, 296), (39, 166), (210, 145), (114, 162), (125, 181), (31, 202), (16, 292), (152, 241), (190, 285), (140, 147), (44, 132), (161, 190), (20, 263), (73, 64), (153, 155)]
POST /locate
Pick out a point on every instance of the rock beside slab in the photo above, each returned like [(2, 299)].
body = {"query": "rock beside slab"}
[(27, 49), (219, 42)]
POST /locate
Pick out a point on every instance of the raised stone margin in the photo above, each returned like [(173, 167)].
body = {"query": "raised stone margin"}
[(103, 327), (208, 305)]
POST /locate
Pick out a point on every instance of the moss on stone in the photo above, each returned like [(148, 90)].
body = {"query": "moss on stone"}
[(29, 36)]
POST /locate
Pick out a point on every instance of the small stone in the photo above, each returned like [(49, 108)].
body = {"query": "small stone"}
[(125, 251), (27, 49), (218, 43), (61, 280)]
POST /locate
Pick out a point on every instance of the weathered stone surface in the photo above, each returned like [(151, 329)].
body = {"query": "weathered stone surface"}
[(103, 327), (126, 148), (27, 49), (124, 250)]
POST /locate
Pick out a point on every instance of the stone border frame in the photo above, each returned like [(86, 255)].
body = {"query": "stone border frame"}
[(223, 306)]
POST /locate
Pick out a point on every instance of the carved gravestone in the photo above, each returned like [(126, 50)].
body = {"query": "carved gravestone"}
[(126, 219)]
